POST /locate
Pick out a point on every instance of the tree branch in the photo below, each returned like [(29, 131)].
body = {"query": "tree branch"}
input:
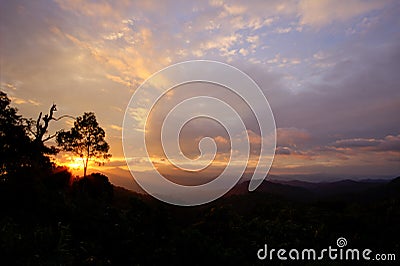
[(41, 129), (64, 116), (49, 137)]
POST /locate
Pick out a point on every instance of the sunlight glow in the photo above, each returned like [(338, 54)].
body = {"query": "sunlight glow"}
[(75, 163)]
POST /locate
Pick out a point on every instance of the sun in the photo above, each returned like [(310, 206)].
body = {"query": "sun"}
[(75, 163)]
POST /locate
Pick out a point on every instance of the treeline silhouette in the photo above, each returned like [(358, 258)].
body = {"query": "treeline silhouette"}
[(50, 217)]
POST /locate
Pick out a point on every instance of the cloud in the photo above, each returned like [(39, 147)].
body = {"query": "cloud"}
[(283, 150), (357, 142), (258, 23), (254, 138), (88, 8), (118, 79), (235, 9), (292, 136), (9, 86), (19, 101), (223, 44), (350, 157), (243, 52), (221, 140), (283, 30), (388, 143), (253, 39), (283, 62), (323, 12), (115, 127)]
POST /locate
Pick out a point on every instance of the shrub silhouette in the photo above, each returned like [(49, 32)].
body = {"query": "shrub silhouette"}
[(95, 186)]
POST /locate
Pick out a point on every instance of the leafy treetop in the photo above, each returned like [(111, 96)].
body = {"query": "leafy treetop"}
[(86, 139)]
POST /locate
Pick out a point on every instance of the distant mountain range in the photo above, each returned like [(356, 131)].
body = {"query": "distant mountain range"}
[(302, 190), (347, 190)]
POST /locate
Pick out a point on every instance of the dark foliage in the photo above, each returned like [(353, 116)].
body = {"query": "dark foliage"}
[(21, 158), (89, 222)]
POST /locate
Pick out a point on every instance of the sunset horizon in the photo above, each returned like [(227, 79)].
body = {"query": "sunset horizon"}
[(331, 80), (216, 132)]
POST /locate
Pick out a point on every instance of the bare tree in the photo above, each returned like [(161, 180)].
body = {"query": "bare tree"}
[(42, 125)]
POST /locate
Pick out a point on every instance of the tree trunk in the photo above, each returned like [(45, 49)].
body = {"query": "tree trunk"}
[(87, 158), (85, 167)]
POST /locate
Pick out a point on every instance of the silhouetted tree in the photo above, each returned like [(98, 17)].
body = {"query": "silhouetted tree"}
[(86, 139), (15, 145), (38, 130), (42, 124), (40, 127)]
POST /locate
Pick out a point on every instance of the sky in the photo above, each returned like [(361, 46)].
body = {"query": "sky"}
[(329, 70)]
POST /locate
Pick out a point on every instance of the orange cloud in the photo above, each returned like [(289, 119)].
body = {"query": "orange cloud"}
[(292, 136)]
